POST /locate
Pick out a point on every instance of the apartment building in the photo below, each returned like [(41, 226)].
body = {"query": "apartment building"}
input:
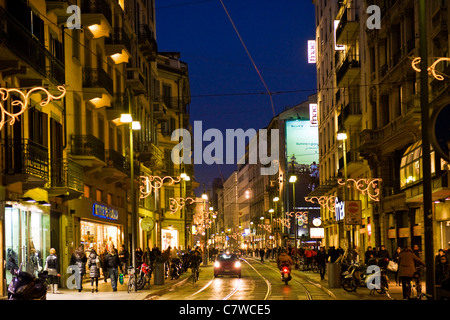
[(65, 166), (368, 88)]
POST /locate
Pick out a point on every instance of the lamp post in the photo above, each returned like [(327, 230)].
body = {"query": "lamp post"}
[(185, 178), (342, 136), (205, 245), (275, 200), (293, 180), (133, 125)]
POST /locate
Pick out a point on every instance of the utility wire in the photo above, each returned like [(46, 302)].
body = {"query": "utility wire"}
[(249, 55)]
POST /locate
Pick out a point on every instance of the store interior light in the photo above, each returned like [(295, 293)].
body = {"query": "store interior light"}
[(44, 203), (29, 200)]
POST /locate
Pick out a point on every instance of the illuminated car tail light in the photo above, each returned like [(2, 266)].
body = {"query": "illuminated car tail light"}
[(237, 264), (217, 264), (285, 270)]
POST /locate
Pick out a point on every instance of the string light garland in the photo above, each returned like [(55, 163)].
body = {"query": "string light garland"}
[(431, 69), (23, 103), (153, 183), (323, 201), (367, 186), (176, 204)]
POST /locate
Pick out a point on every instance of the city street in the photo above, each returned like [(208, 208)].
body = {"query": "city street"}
[(259, 281)]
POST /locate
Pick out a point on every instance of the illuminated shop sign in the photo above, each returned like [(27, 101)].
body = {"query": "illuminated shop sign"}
[(105, 212), (312, 51)]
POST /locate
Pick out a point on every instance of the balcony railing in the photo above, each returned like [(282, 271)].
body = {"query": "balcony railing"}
[(66, 174), (24, 156), (116, 160), (350, 62), (97, 78), (18, 39), (88, 145), (119, 36), (97, 6)]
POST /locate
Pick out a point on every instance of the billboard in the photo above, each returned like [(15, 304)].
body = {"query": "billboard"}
[(302, 143)]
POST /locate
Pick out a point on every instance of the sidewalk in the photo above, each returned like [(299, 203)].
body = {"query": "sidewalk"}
[(105, 291)]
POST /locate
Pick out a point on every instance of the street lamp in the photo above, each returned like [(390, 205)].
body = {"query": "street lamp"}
[(205, 246), (133, 125), (185, 178), (342, 136), (293, 180), (275, 200)]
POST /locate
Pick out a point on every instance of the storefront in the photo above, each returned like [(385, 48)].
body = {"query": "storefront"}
[(27, 236), (169, 238), (98, 224)]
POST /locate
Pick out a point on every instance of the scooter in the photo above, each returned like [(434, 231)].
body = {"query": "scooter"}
[(285, 270), (25, 286), (354, 277)]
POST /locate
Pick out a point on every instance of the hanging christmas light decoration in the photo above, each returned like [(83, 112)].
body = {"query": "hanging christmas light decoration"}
[(176, 204), (23, 102), (431, 69), (365, 186), (153, 183), (323, 201)]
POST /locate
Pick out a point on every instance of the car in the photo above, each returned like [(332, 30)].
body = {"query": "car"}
[(227, 264)]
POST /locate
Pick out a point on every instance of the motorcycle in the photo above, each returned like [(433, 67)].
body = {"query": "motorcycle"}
[(285, 270), (176, 269), (144, 275), (354, 277), (25, 286)]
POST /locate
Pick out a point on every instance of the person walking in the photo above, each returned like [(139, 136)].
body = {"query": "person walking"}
[(321, 259), (113, 265), (395, 259), (94, 267), (406, 269), (261, 254), (52, 268), (383, 253), (79, 259), (124, 257)]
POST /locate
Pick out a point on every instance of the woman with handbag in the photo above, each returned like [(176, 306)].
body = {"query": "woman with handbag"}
[(395, 259), (94, 267)]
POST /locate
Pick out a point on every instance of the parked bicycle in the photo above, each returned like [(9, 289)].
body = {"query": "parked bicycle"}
[(131, 279)]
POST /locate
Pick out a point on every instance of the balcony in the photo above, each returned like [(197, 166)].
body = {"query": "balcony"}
[(87, 150), (35, 61), (439, 24), (97, 82), (147, 43), (136, 81), (151, 156), (348, 26), (354, 162), (118, 47), (23, 160), (97, 17), (66, 179), (348, 70), (118, 106), (116, 167), (352, 113), (160, 112)]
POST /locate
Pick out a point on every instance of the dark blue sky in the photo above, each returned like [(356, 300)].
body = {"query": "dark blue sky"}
[(225, 86)]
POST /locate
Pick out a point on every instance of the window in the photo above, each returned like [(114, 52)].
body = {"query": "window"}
[(87, 191), (98, 195), (411, 165)]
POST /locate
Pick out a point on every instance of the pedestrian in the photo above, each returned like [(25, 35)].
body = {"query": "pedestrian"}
[(407, 269), (333, 253), (321, 259), (368, 255), (395, 259), (442, 267), (124, 257), (383, 253), (79, 260), (113, 265), (261, 254), (103, 253), (139, 257), (94, 267), (308, 256), (52, 268)]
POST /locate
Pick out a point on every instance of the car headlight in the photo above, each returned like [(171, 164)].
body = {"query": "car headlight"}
[(217, 264), (237, 264)]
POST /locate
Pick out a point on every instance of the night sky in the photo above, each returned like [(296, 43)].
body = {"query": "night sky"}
[(226, 90)]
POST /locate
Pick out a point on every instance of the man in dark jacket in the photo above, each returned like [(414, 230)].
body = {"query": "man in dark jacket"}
[(383, 253), (321, 259), (112, 264)]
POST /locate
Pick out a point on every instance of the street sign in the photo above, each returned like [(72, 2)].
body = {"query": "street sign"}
[(353, 215)]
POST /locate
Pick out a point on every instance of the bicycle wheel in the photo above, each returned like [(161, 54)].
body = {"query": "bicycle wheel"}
[(140, 283), (348, 285), (131, 283)]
